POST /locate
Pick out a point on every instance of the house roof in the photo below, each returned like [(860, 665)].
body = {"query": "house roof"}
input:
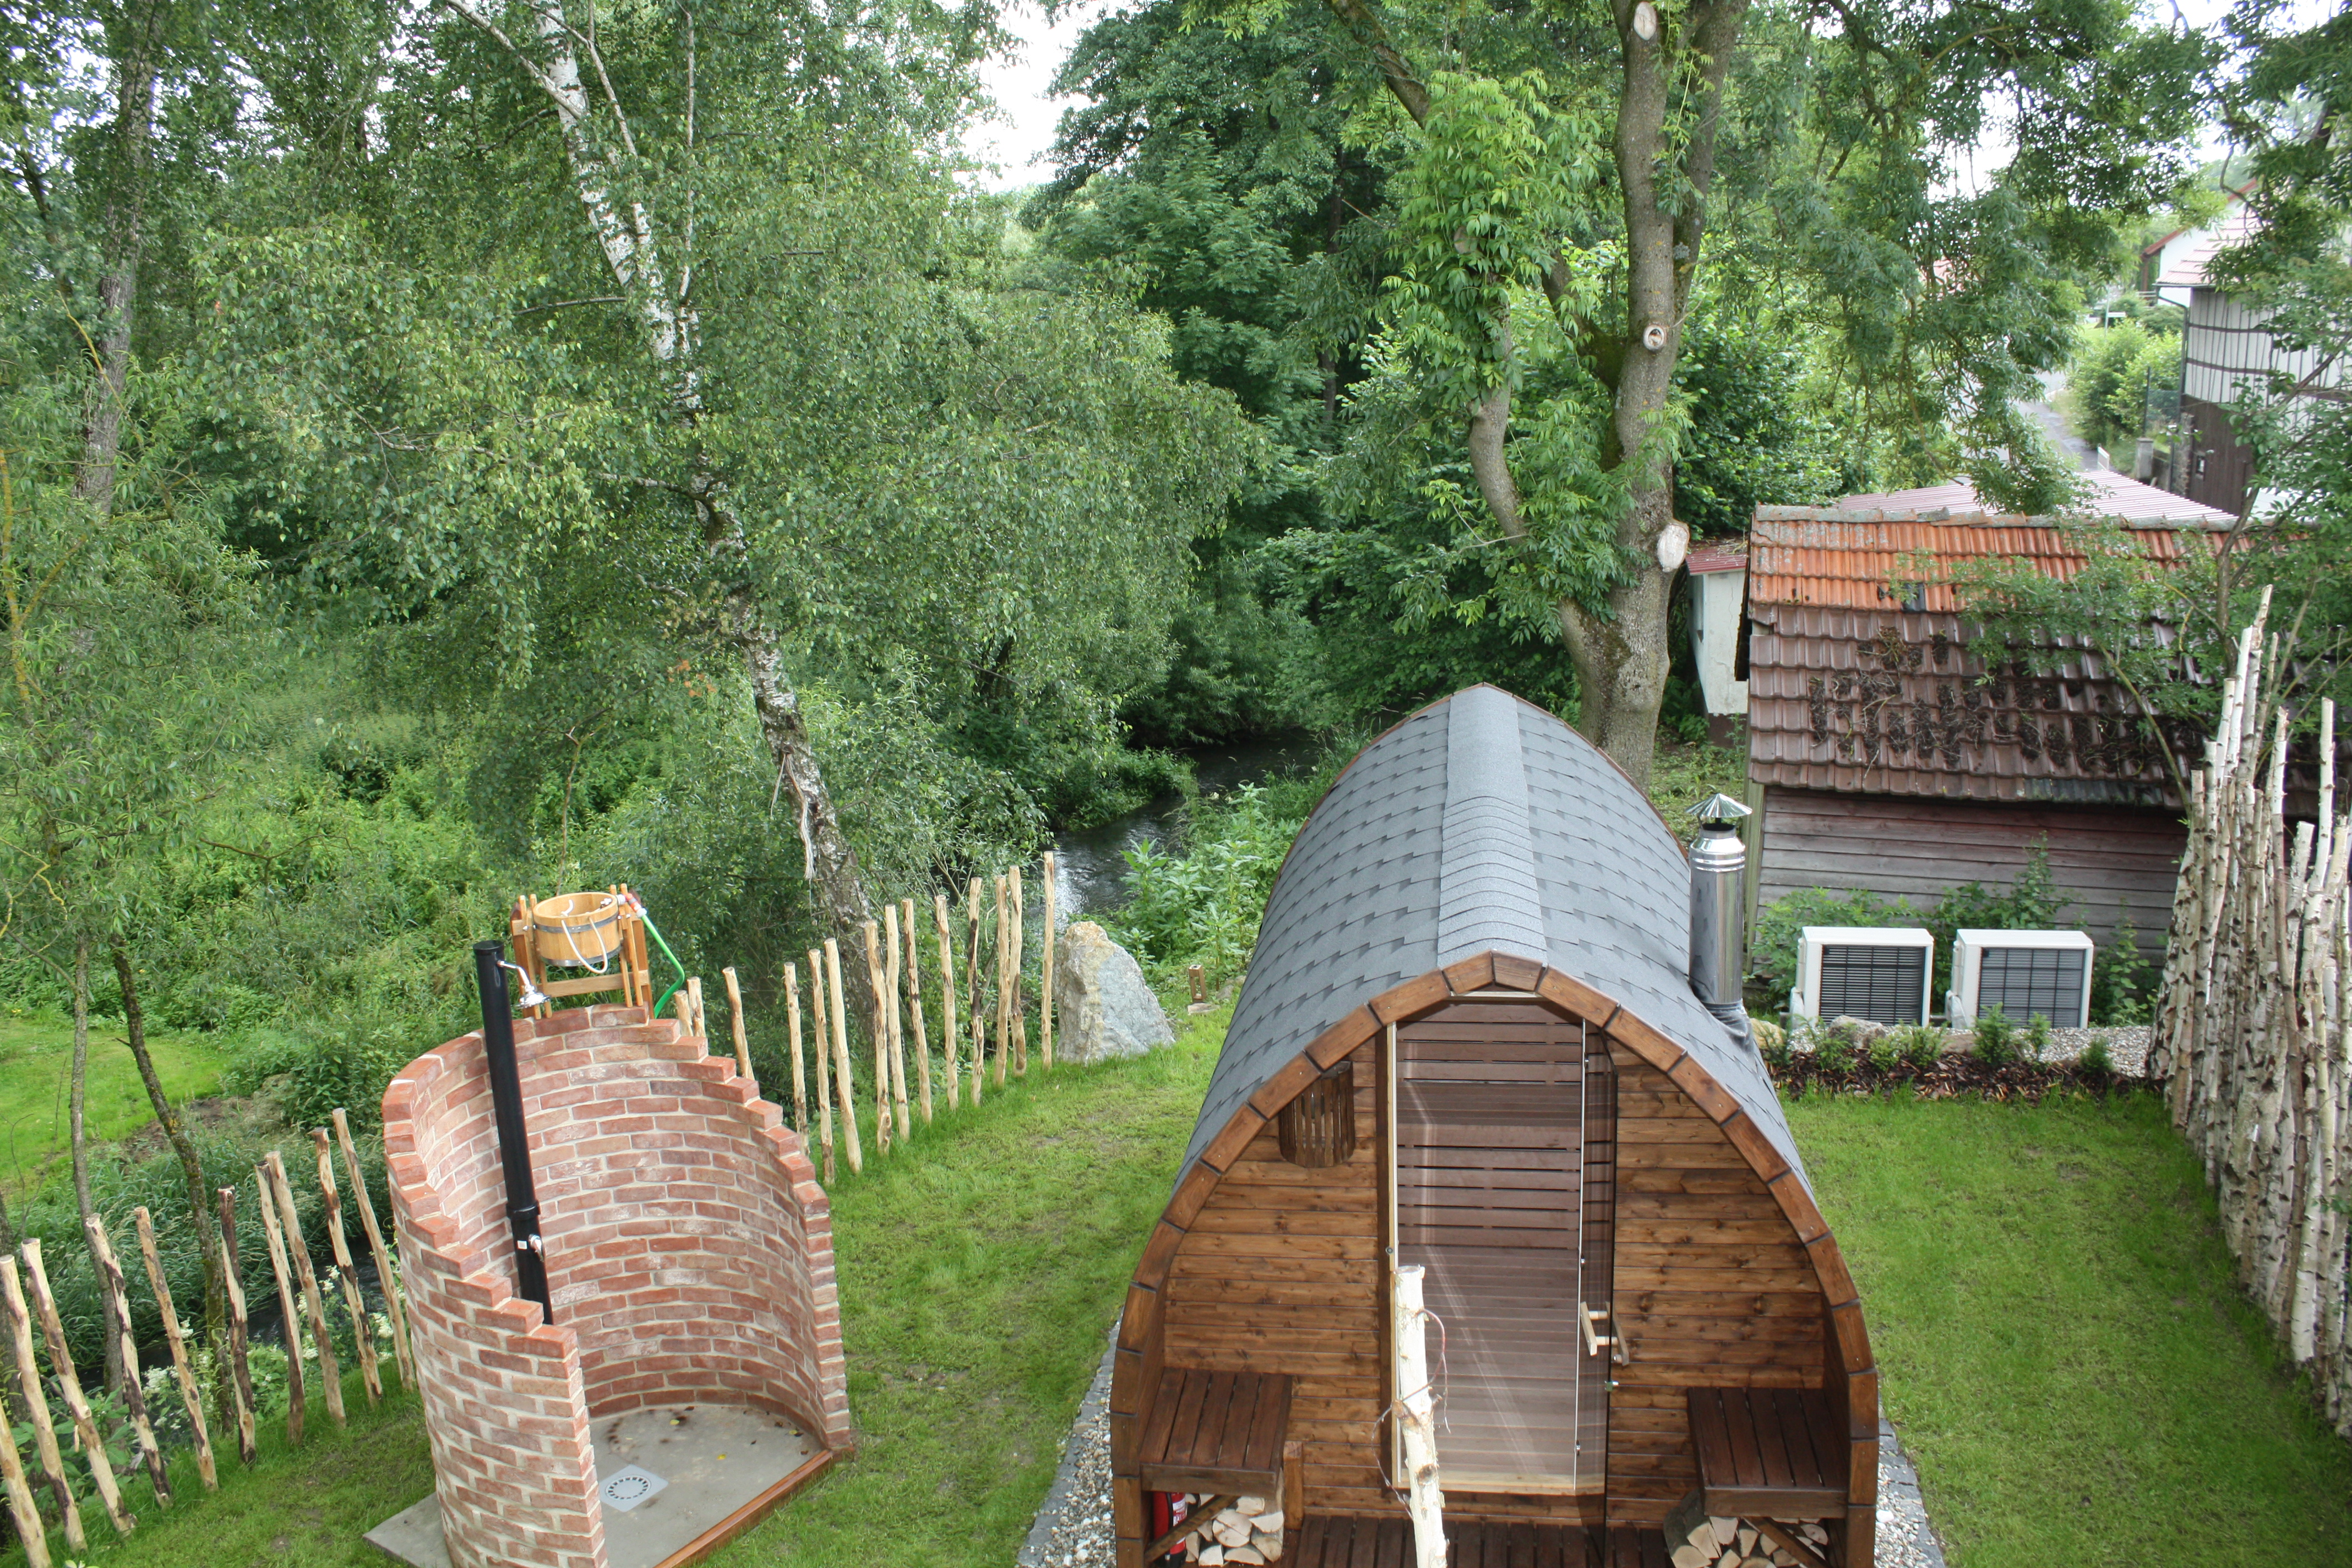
[(2187, 267), (2113, 495), (1717, 556), (1480, 824), (1854, 684)]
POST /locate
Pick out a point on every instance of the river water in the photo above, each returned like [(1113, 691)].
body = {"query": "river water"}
[(1090, 865)]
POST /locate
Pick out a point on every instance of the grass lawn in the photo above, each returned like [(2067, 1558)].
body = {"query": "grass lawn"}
[(36, 1069), (2061, 1340), (979, 1273)]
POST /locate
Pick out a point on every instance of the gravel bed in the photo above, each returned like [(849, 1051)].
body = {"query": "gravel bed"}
[(1073, 1529)]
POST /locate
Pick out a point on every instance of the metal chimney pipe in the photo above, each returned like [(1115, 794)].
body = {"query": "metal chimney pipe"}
[(506, 1114), (1719, 948)]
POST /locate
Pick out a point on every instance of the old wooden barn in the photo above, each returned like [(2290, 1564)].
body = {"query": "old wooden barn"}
[(1470, 1040)]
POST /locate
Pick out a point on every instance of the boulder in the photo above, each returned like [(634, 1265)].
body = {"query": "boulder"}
[(1102, 1008)]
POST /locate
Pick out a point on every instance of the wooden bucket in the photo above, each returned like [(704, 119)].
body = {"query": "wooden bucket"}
[(577, 928)]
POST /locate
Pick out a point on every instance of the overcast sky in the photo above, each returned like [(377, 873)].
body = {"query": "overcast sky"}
[(1016, 140)]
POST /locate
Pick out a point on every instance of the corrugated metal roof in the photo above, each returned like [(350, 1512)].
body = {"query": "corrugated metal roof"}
[(1860, 681), (2113, 495), (1401, 869)]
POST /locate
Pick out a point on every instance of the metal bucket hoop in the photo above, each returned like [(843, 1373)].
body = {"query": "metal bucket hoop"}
[(577, 928)]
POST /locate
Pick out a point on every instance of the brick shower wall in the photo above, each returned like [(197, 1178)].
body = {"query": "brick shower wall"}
[(689, 1254)]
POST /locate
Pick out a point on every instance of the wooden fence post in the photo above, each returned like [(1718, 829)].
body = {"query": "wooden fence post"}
[(1045, 970), (841, 1055), (134, 1396), (979, 1019), (793, 1030), (61, 1367), (895, 1019), (31, 1533), (240, 1368), (190, 1397), (387, 1277), (695, 1022), (880, 1029), (915, 1011), (45, 1433), (735, 1026), (353, 1301), (1007, 979), (946, 995), (286, 1316), (1020, 964), (314, 1305), (824, 1060)]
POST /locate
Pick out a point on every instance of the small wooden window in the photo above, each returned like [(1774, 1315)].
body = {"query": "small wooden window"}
[(1318, 1127)]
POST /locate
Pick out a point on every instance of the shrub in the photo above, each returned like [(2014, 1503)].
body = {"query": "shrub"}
[(1835, 1046), (1771, 1044), (2096, 1063), (1203, 906), (1772, 947), (1920, 1045), (1995, 1040), (1885, 1051), (2037, 1039), (2123, 980)]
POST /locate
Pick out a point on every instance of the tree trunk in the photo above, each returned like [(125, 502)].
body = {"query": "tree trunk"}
[(117, 286), (77, 1136), (134, 1029)]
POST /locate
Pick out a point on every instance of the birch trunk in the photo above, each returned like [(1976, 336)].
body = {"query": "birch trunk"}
[(1416, 1418)]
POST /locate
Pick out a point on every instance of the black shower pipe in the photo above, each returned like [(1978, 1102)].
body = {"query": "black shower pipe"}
[(506, 1112)]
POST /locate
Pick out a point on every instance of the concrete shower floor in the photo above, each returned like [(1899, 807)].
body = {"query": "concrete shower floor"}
[(711, 1460)]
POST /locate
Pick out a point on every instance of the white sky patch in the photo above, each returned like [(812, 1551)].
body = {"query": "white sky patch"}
[(1015, 141)]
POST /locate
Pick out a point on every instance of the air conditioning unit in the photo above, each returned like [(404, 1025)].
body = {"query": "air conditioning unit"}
[(2023, 973), (1878, 972)]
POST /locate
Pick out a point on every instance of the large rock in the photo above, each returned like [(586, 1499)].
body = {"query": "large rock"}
[(1102, 1008)]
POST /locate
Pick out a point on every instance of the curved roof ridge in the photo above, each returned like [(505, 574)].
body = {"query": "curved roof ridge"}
[(1480, 823)]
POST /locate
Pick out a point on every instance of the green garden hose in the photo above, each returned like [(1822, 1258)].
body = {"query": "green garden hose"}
[(655, 931)]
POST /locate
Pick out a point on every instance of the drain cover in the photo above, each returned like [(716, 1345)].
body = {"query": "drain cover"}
[(626, 1488)]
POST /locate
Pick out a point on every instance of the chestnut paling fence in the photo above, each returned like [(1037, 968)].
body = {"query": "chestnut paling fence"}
[(2252, 1036), (45, 1492), (54, 1467)]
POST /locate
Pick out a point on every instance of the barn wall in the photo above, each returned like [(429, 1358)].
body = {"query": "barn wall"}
[(1281, 1271), (1713, 1289), (1915, 848)]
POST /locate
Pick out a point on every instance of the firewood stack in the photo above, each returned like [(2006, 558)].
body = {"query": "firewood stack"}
[(1248, 1530), (1696, 1540)]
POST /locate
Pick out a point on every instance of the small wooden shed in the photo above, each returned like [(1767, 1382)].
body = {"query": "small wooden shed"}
[(1469, 1041)]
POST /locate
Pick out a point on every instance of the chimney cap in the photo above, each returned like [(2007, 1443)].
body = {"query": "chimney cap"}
[(1717, 810)]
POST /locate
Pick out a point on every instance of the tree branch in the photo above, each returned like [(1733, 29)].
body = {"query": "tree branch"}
[(1408, 91)]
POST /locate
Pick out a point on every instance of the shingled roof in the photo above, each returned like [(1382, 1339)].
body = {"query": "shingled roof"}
[(1860, 681), (1480, 824)]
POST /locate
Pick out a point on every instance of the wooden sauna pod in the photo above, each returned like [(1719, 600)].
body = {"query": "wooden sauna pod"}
[(1488, 924)]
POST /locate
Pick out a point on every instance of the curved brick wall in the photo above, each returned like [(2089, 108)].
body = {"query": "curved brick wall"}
[(689, 1253)]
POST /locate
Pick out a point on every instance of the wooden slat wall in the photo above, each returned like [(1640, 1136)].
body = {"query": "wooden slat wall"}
[(2103, 856), (1282, 1272), (1712, 1288)]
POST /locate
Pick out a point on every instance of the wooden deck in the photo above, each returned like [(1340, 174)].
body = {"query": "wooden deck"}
[(1346, 1541)]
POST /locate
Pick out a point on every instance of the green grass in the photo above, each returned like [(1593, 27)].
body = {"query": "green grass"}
[(2061, 1340), (36, 1069), (979, 1272), (2053, 1313)]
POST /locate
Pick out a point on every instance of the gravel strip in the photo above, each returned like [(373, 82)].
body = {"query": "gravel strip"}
[(1073, 1529)]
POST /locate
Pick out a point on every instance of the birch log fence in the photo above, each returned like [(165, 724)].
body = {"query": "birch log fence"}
[(2254, 1039)]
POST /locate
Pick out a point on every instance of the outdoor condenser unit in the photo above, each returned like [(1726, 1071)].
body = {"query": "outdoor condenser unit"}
[(2023, 973), (1878, 972)]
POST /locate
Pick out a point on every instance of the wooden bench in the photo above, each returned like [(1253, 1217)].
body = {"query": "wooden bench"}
[(1217, 1432), (1768, 1453)]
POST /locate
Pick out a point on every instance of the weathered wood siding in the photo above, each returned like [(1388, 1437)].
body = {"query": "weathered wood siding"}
[(1282, 1271), (1713, 1288), (2103, 856)]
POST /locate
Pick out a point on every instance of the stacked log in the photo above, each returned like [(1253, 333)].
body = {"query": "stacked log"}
[(1697, 1539), (1247, 1530), (2252, 1037)]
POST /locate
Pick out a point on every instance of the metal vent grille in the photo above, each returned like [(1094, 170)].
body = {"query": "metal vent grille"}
[(1883, 984), (2023, 981)]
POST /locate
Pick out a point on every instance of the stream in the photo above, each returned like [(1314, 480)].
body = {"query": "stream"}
[(1090, 865)]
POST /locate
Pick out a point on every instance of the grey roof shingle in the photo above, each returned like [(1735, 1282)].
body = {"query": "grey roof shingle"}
[(1480, 824)]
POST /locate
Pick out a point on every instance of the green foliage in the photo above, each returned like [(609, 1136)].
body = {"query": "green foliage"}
[(1886, 1050), (1203, 905), (1780, 925), (2123, 979), (2096, 1062), (2036, 1047), (1837, 1046), (1918, 1045), (1994, 1042), (2114, 370)]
